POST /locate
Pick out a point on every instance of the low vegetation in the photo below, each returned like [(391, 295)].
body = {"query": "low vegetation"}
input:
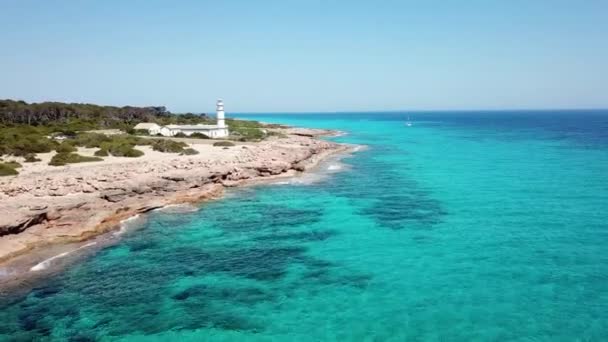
[(65, 147), (19, 141), (101, 153), (198, 135), (30, 127), (246, 130), (189, 152), (120, 148), (117, 145), (276, 134), (31, 158), (170, 146), (7, 169), (27, 129), (91, 140), (223, 143), (70, 158), (13, 164)]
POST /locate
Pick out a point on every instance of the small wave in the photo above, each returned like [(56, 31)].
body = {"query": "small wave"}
[(168, 206), (281, 183), (46, 263), (129, 219), (124, 225), (334, 167), (182, 207)]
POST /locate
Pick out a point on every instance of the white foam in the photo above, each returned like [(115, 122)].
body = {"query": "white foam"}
[(168, 206), (134, 217), (334, 167), (182, 207), (46, 263), (124, 225)]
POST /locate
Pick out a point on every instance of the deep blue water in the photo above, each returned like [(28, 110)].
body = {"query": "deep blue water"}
[(466, 226)]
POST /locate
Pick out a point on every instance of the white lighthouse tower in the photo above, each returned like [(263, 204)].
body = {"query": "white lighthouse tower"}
[(219, 130), (219, 112)]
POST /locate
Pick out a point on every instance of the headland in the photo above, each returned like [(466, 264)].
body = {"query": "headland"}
[(46, 206)]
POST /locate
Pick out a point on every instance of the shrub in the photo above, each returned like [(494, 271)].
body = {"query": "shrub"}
[(170, 146), (69, 158), (101, 153), (140, 132), (15, 142), (223, 143), (140, 141), (7, 170), (123, 146), (128, 152), (13, 164), (30, 158), (271, 125), (91, 140), (189, 152), (276, 134), (121, 149), (70, 133), (199, 135), (65, 147), (248, 130)]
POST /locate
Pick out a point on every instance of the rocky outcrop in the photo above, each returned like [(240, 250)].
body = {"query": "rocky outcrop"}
[(15, 224)]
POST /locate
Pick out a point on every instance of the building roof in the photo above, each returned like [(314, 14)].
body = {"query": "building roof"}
[(146, 125), (194, 127)]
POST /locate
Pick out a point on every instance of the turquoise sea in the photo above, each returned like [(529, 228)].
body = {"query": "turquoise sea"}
[(467, 226)]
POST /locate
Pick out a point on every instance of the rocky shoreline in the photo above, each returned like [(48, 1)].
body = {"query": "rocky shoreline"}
[(70, 204)]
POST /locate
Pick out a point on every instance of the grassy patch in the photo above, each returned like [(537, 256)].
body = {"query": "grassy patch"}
[(19, 141), (65, 147), (70, 158), (276, 134), (245, 130), (91, 140), (170, 146), (189, 152), (223, 143), (31, 158), (13, 164), (121, 149), (119, 145), (7, 170), (101, 153), (198, 135)]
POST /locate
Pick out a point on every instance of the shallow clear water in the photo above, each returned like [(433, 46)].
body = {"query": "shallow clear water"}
[(465, 226)]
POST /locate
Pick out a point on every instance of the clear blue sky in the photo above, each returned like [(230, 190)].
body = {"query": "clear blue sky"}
[(307, 55)]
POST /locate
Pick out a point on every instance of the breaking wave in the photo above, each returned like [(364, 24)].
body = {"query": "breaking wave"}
[(46, 263)]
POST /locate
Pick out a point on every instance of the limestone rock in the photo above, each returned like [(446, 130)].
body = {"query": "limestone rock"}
[(114, 196)]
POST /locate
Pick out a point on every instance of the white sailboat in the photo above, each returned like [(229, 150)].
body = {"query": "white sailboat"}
[(408, 123)]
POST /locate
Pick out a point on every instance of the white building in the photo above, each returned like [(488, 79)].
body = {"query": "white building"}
[(219, 130), (152, 128)]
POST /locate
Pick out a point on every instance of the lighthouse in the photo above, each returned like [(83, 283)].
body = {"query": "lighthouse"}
[(219, 112), (219, 130)]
